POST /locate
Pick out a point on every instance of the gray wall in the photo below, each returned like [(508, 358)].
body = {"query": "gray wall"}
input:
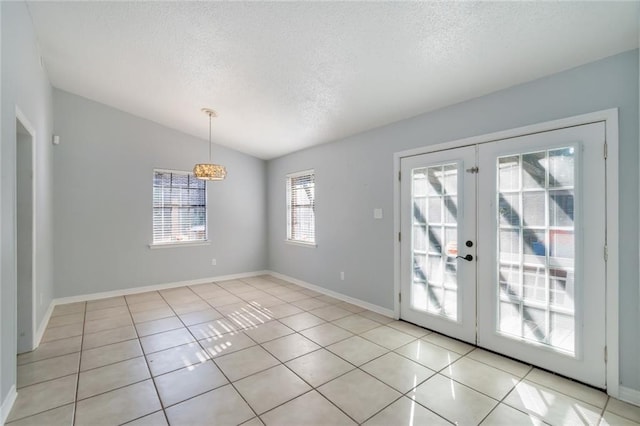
[(103, 174), (355, 175), (25, 85)]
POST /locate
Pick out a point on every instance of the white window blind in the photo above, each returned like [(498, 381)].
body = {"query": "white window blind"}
[(301, 218), (179, 207)]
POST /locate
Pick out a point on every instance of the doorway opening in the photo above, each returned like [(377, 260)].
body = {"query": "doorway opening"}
[(25, 232)]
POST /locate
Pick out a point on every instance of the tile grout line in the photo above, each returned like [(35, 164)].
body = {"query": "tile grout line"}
[(75, 399), (325, 347), (47, 380), (210, 359), (439, 372), (74, 402), (388, 351), (280, 363), (184, 326), (264, 311), (146, 361), (404, 394), (355, 367), (604, 410), (293, 331), (524, 377), (568, 380), (46, 359), (501, 401), (312, 388)]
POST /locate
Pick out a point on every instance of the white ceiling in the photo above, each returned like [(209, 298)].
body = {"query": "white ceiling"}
[(284, 76)]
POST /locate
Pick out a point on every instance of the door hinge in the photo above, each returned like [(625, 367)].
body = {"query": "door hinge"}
[(399, 175), (606, 354), (474, 169), (606, 150), (400, 297), (399, 236), (606, 253)]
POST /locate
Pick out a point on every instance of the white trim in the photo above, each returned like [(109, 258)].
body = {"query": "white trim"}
[(301, 173), (154, 246), (610, 117), (154, 287), (43, 326), (397, 214), (102, 295), (638, 311), (629, 395), (30, 128), (7, 404), (301, 243), (184, 172), (366, 305), (578, 120)]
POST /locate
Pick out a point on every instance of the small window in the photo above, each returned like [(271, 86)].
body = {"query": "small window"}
[(179, 208), (301, 216)]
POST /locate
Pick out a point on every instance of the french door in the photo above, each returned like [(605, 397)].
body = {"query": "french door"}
[(439, 203), (503, 246)]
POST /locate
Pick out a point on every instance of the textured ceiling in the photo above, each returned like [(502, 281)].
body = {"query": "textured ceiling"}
[(284, 76)]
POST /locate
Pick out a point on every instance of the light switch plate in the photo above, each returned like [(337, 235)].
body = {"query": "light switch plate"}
[(377, 213)]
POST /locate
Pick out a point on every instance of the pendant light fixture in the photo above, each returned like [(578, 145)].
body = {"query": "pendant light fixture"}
[(209, 171)]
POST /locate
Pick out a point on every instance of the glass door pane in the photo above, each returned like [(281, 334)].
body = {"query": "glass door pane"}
[(536, 247), (435, 240)]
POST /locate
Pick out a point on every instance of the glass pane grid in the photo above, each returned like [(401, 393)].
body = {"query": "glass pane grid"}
[(301, 208), (536, 245), (434, 240), (179, 207)]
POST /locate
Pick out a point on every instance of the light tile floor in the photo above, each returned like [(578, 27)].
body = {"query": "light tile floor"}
[(265, 351)]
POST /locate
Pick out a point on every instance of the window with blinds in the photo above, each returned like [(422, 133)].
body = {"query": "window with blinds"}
[(179, 207), (301, 217)]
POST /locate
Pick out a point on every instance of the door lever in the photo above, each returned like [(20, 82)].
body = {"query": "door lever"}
[(468, 257)]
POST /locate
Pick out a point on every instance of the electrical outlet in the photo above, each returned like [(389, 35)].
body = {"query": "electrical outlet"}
[(342, 275), (214, 262)]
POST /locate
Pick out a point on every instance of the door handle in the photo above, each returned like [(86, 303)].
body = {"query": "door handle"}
[(468, 257)]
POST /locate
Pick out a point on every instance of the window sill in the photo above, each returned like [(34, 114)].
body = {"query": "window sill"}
[(301, 243), (153, 246)]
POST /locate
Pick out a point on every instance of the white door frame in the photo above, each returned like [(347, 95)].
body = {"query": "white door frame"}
[(610, 118), (20, 116)]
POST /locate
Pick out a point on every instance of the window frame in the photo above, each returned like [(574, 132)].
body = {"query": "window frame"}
[(289, 208), (187, 243)]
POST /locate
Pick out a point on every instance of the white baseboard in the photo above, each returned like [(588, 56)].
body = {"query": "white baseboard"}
[(7, 404), (155, 287), (629, 395), (366, 305), (43, 325)]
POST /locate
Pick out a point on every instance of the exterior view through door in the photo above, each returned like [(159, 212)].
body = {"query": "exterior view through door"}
[(503, 246)]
